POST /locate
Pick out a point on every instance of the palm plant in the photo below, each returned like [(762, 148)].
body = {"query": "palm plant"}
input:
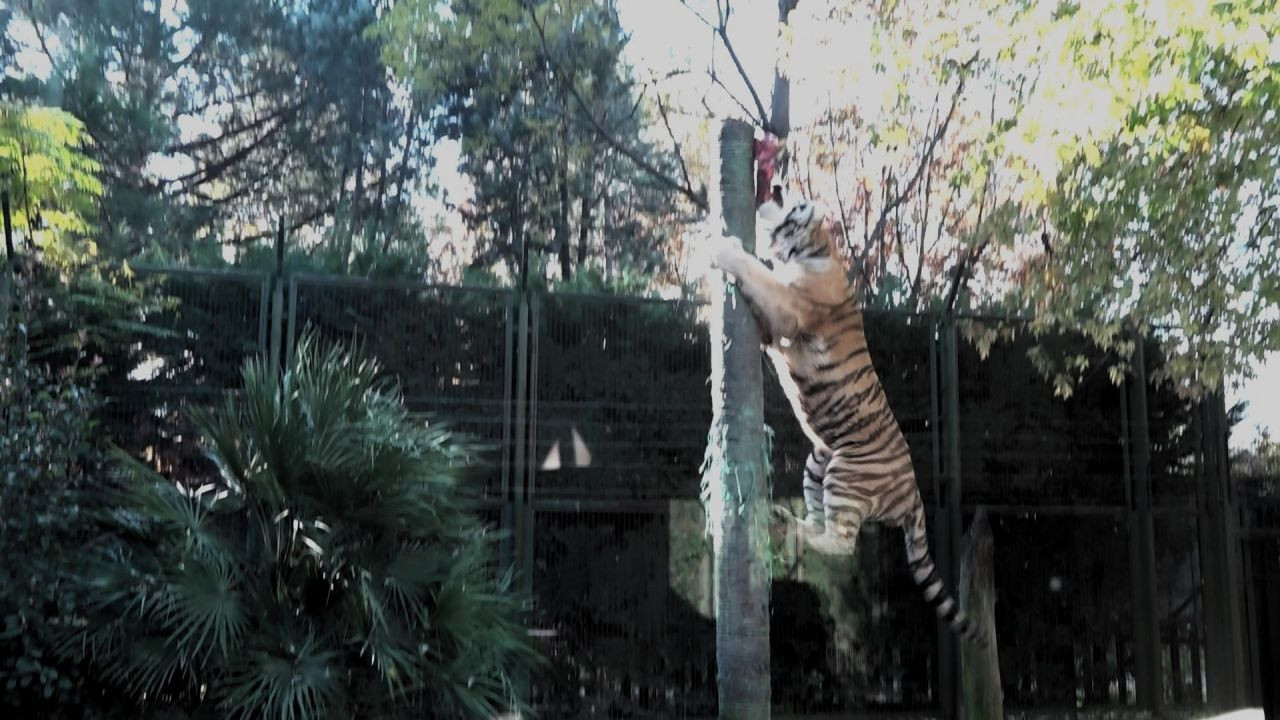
[(331, 566)]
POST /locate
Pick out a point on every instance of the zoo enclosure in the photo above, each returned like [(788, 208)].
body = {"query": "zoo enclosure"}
[(1128, 566)]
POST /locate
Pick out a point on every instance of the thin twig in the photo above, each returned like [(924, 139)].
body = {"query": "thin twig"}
[(697, 198), (721, 30), (684, 168), (926, 158)]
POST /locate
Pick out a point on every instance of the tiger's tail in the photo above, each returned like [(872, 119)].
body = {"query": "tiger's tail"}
[(925, 575)]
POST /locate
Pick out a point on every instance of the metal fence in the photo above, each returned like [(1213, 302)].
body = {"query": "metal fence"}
[(1129, 571)]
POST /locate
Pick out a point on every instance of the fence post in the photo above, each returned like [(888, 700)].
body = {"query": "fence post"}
[(10, 261), (518, 519), (1142, 554), (1219, 562), (948, 519), (277, 303), (10, 255)]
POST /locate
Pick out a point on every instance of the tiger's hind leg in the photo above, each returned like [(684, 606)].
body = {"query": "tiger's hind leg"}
[(814, 520), (843, 511), (815, 469)]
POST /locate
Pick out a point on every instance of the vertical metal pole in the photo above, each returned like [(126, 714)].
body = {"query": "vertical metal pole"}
[(291, 321), (531, 441), (519, 462), (948, 520), (1146, 632), (1220, 558), (277, 303), (11, 261), (264, 313), (10, 254)]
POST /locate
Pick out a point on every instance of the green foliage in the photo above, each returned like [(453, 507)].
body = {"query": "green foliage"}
[(540, 124), (61, 311), (331, 566), (1259, 465), (53, 185), (214, 118), (1167, 198), (47, 457), (1102, 166)]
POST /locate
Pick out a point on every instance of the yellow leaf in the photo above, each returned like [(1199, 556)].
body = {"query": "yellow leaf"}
[(1091, 153)]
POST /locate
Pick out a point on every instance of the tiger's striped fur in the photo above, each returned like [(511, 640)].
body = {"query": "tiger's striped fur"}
[(860, 467)]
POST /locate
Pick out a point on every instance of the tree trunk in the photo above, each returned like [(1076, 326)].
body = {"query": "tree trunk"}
[(981, 697), (562, 228), (780, 110), (735, 476)]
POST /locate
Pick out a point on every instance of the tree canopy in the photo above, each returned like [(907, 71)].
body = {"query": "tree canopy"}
[(1102, 165), (1098, 165)]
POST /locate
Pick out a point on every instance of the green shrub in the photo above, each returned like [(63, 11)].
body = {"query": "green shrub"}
[(47, 458), (331, 565)]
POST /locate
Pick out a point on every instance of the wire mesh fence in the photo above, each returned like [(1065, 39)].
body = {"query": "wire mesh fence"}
[(190, 356), (593, 413)]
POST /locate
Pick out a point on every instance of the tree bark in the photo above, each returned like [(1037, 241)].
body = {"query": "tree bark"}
[(564, 242), (584, 220), (736, 477), (780, 110), (981, 697)]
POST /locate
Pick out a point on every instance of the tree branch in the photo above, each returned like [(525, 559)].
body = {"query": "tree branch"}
[(684, 168), (698, 198), (878, 231), (206, 141), (721, 30), (971, 256)]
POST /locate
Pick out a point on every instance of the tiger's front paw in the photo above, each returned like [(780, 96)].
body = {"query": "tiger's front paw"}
[(723, 249), (711, 250)]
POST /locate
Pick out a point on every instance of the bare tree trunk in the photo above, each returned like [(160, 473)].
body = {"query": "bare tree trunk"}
[(562, 231), (736, 476), (981, 697), (780, 112), (584, 221)]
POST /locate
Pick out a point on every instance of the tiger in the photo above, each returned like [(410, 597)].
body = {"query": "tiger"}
[(811, 323)]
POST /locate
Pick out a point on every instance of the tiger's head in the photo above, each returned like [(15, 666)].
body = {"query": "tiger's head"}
[(798, 233)]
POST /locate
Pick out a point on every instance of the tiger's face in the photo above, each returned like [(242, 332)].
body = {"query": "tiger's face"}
[(799, 234)]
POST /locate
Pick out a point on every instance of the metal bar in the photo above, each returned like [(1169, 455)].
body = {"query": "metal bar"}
[(621, 506), (521, 451), (531, 444), (1048, 510), (277, 324), (948, 520), (7, 282), (291, 330), (264, 314), (508, 357), (390, 284), (523, 573), (934, 414), (223, 273), (1217, 541), (1142, 555), (10, 254)]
